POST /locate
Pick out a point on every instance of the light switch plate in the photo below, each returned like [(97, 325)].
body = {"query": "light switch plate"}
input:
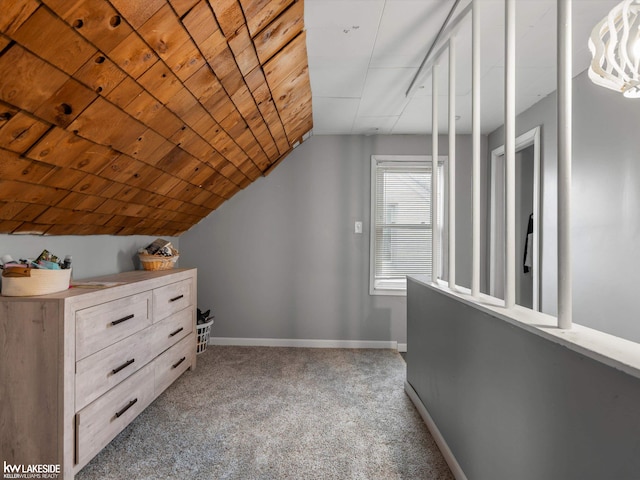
[(358, 227)]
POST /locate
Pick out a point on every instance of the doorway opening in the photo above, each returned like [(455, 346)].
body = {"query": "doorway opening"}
[(527, 221)]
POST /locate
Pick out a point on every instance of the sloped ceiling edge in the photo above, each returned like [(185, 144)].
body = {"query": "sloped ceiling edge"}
[(121, 117)]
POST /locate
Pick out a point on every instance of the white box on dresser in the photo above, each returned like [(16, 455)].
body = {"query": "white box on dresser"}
[(76, 367)]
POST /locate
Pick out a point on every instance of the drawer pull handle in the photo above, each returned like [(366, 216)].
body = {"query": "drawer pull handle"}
[(127, 407), (175, 365), (123, 319), (124, 365), (176, 298), (176, 332)]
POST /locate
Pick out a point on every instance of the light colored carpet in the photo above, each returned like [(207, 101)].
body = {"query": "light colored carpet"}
[(278, 413)]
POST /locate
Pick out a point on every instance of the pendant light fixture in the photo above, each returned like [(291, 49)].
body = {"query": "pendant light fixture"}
[(615, 47)]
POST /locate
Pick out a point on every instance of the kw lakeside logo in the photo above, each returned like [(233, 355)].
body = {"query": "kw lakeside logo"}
[(31, 471)]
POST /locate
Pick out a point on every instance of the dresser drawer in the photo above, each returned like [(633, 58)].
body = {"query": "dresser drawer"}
[(172, 329), (105, 324), (171, 299), (103, 370), (173, 363), (102, 420)]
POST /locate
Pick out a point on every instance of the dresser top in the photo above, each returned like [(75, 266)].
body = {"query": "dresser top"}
[(128, 283)]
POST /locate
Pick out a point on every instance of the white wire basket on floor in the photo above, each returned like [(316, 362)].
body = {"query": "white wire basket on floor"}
[(203, 331)]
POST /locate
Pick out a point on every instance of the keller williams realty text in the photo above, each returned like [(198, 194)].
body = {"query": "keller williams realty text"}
[(31, 471)]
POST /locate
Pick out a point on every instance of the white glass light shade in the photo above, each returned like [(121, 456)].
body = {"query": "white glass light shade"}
[(615, 47)]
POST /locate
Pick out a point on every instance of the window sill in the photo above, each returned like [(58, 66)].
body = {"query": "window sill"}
[(392, 288), (616, 352), (388, 293)]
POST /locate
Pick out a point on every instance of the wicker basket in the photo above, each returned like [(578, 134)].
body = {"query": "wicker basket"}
[(157, 262), (204, 330), (39, 282)]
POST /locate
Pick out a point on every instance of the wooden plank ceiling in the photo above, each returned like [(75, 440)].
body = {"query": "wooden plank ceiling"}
[(142, 116)]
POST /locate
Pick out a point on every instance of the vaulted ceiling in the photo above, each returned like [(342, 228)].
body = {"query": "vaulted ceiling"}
[(141, 117)]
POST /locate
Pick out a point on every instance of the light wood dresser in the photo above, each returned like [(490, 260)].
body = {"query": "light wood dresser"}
[(77, 367)]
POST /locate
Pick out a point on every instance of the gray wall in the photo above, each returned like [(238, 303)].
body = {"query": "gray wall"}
[(605, 205), (93, 255), (281, 259), (512, 405)]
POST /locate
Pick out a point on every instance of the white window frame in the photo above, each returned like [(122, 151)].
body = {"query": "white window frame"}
[(395, 287)]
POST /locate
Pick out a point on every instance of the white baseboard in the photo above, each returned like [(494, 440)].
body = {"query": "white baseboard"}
[(402, 347), (454, 466), (291, 342)]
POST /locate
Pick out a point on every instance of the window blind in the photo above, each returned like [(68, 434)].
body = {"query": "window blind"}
[(402, 223)]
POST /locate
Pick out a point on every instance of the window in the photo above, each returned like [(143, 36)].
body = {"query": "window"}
[(401, 229)]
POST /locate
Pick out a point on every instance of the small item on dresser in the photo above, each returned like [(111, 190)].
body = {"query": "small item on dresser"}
[(46, 256), (7, 260), (158, 255), (49, 265), (159, 247)]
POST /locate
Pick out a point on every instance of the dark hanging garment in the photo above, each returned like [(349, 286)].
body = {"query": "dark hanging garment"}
[(527, 261)]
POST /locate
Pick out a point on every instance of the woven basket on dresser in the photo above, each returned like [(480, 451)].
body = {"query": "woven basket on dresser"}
[(157, 262), (39, 282)]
